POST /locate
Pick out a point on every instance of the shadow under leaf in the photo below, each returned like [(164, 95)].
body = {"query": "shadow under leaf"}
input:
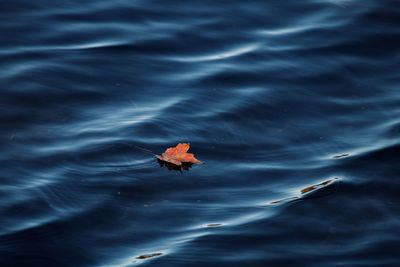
[(172, 167)]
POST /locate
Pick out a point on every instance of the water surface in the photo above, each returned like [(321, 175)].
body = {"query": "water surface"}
[(293, 106)]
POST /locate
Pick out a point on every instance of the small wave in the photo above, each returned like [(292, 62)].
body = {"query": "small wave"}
[(235, 52)]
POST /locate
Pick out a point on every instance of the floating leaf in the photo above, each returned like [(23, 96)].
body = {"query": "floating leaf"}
[(178, 155), (317, 186)]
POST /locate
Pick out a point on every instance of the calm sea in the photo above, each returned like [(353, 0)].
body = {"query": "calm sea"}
[(294, 107)]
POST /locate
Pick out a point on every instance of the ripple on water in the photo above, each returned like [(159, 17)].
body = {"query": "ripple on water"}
[(278, 99), (220, 55)]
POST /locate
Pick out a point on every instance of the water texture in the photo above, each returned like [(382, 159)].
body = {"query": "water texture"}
[(293, 106)]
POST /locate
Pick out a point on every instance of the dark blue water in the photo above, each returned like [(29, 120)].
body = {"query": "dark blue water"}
[(294, 107)]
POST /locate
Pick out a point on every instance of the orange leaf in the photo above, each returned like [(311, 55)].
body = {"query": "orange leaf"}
[(178, 155)]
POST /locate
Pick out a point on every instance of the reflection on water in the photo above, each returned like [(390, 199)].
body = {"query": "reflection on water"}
[(341, 156), (172, 167), (147, 256), (214, 224)]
